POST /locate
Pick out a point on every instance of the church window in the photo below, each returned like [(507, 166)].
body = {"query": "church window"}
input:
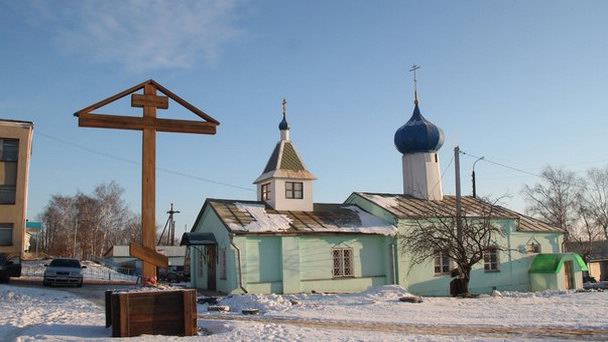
[(265, 192), (442, 262), (533, 248), (294, 190), (342, 262), (490, 259)]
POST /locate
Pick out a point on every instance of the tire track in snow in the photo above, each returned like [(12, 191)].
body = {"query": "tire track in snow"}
[(540, 332)]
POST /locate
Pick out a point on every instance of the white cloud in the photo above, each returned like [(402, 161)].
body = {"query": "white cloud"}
[(144, 34)]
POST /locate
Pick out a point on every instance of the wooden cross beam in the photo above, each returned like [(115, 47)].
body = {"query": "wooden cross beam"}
[(149, 101)]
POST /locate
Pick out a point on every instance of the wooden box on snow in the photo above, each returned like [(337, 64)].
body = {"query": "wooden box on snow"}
[(151, 313)]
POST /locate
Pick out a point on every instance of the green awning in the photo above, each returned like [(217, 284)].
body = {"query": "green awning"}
[(553, 263)]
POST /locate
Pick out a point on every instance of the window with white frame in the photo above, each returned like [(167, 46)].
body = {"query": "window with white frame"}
[(223, 255), (9, 152), (533, 248), (265, 192), (6, 234), (442, 262), (342, 262), (294, 190), (490, 259)]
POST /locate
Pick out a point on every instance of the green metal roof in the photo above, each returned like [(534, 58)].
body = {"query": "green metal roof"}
[(290, 160), (553, 263)]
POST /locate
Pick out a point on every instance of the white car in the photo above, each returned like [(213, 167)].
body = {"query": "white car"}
[(63, 272)]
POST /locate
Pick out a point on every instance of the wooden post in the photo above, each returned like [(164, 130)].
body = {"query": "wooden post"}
[(148, 187)]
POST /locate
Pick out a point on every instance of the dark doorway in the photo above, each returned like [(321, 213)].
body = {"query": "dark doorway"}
[(568, 274), (211, 266)]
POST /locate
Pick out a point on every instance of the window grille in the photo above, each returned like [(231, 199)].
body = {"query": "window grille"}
[(490, 259), (294, 190), (342, 262), (442, 262)]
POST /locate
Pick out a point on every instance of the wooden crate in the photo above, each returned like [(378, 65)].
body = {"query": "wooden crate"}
[(152, 313)]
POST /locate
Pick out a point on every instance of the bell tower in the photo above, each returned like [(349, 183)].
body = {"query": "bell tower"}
[(285, 183), (419, 140)]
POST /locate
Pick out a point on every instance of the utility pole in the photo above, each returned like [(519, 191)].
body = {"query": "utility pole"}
[(473, 177), (458, 195), (171, 225)]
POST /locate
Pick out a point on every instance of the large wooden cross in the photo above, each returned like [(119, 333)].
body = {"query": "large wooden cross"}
[(149, 124)]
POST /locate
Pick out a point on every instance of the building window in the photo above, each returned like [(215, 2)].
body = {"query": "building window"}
[(442, 262), (6, 234), (343, 262), (490, 259), (223, 263), (533, 248), (265, 192), (9, 151), (294, 190)]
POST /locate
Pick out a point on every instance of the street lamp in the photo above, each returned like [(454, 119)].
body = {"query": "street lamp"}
[(473, 176)]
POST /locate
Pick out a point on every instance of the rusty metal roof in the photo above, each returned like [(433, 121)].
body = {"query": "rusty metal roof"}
[(325, 218), (409, 207)]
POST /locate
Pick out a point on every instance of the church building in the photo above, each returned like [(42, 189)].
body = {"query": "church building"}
[(284, 242)]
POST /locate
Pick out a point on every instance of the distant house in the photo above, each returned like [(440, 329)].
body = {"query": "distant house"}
[(119, 256), (15, 153), (595, 254), (284, 242)]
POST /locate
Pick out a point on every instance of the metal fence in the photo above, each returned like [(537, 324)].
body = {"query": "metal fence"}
[(92, 272)]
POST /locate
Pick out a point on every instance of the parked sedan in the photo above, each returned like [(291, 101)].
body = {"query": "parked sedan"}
[(10, 266), (63, 272)]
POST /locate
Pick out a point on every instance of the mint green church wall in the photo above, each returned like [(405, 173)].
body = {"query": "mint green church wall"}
[(210, 223), (371, 262), (263, 264), (290, 264), (514, 263)]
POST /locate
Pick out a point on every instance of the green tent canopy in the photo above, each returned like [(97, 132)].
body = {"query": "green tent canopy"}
[(552, 263)]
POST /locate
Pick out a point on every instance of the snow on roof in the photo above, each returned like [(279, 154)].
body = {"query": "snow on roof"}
[(410, 207), (262, 220), (258, 217)]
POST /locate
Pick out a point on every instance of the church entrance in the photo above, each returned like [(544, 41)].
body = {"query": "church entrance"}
[(569, 280), (211, 266)]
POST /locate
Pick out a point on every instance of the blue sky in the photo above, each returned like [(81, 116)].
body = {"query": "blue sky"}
[(522, 83)]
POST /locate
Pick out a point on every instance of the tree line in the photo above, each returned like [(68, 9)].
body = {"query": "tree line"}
[(86, 225), (577, 204)]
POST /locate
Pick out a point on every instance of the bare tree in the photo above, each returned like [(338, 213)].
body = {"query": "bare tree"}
[(424, 238), (596, 198), (554, 200), (87, 225)]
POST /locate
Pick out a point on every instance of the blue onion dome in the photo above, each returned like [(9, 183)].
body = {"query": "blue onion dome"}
[(284, 125), (418, 135)]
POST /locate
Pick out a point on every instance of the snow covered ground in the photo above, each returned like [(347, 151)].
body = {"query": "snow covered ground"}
[(29, 314)]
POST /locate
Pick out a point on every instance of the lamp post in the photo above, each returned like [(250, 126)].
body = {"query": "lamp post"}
[(473, 176)]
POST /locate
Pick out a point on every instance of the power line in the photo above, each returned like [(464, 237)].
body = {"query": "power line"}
[(520, 170), (125, 160), (443, 173)]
